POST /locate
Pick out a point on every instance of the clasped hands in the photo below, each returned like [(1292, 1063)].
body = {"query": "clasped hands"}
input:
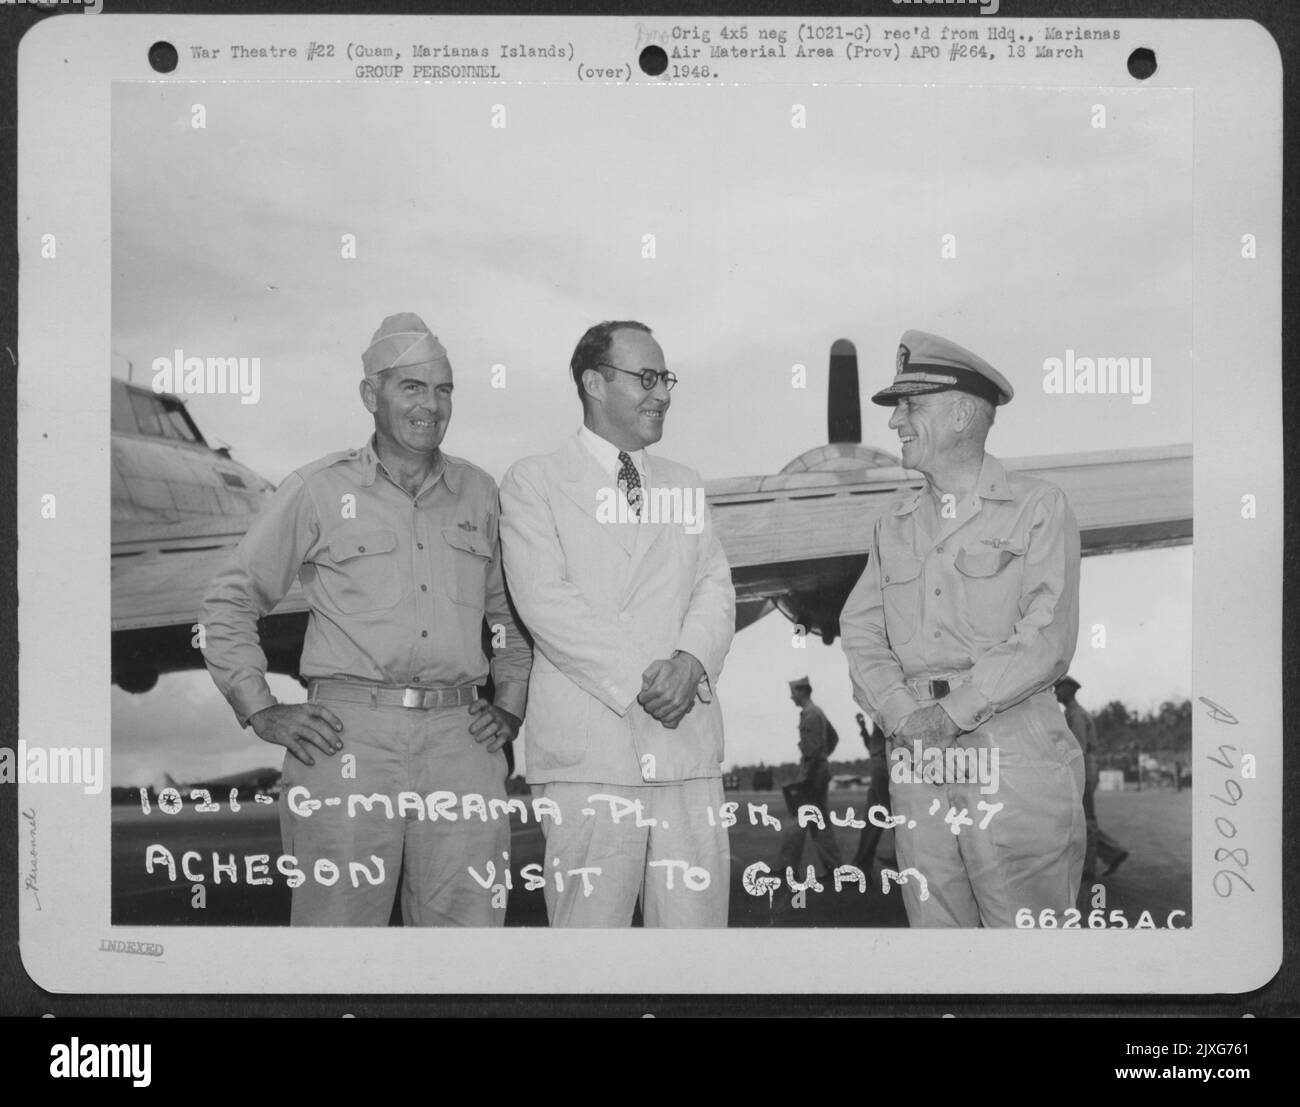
[(928, 725), (669, 688)]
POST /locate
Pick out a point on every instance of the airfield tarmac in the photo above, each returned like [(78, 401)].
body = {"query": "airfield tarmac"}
[(1155, 826)]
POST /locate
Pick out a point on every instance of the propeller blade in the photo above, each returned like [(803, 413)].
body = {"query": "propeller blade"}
[(843, 405)]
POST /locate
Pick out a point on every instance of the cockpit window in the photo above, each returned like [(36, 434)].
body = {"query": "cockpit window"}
[(156, 416), (179, 424), (147, 413)]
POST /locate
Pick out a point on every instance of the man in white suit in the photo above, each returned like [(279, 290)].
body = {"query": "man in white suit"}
[(613, 565)]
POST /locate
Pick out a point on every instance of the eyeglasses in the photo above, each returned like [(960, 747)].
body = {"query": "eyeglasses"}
[(649, 378)]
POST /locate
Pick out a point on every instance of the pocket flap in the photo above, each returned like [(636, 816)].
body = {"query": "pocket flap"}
[(985, 563), (470, 541), (362, 544), (900, 569)]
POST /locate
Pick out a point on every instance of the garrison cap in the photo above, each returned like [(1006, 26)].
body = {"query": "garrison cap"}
[(802, 682), (927, 363), (402, 340), (1068, 681)]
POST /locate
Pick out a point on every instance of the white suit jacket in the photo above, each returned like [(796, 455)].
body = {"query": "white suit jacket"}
[(602, 600)]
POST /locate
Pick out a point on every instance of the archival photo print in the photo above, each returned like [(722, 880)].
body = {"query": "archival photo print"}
[(689, 506)]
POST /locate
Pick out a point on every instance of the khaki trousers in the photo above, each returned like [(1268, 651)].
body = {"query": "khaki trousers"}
[(398, 750), (1030, 853)]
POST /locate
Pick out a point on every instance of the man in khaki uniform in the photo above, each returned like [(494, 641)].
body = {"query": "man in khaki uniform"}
[(1100, 844), (395, 545), (812, 787), (966, 614), (877, 793)]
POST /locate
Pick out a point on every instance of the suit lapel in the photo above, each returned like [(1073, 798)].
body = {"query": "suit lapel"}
[(647, 533), (588, 486)]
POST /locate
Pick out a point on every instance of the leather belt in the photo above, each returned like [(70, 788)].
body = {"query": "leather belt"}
[(926, 689), (393, 695)]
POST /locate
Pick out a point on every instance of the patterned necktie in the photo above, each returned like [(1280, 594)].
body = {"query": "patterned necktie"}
[(629, 480)]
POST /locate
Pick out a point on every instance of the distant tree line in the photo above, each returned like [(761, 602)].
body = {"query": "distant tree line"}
[(1164, 734), (1124, 736)]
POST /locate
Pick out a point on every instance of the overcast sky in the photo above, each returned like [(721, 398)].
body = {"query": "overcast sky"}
[(770, 243)]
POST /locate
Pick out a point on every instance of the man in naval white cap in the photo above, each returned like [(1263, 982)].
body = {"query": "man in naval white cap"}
[(395, 545), (965, 616)]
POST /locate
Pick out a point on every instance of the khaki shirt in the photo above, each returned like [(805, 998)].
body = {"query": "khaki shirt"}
[(813, 724), (398, 586), (991, 593), (1083, 728)]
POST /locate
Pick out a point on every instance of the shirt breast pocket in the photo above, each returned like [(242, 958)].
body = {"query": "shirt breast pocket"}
[(991, 579), (359, 571), (468, 555), (900, 586)]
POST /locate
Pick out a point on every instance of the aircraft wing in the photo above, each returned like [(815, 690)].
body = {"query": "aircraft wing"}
[(159, 574), (806, 532), (163, 585), (796, 542), (781, 533)]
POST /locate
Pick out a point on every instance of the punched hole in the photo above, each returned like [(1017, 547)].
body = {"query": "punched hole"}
[(163, 57), (1142, 63), (653, 60)]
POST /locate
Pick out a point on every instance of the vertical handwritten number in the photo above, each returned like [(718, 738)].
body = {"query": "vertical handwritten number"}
[(1228, 786), (1226, 889), (1222, 854), (1225, 764), (1217, 713), (1219, 819), (1223, 879)]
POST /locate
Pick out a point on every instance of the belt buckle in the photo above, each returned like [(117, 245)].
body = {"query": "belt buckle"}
[(939, 688), (412, 697)]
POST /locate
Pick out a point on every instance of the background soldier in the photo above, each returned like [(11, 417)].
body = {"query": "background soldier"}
[(877, 794), (395, 545), (817, 739), (966, 614), (1100, 844)]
